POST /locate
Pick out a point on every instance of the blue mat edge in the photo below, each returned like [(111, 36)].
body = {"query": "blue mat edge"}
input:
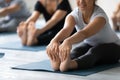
[(42, 47), (77, 71)]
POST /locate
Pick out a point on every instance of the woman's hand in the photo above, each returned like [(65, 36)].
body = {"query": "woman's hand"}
[(53, 50), (64, 50)]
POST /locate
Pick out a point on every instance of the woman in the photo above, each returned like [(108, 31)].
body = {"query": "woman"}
[(12, 13), (54, 12), (116, 18), (100, 43)]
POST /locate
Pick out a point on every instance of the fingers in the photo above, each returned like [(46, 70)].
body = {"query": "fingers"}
[(64, 51), (52, 51)]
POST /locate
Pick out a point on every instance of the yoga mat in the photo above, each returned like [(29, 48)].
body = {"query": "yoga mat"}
[(1, 55), (45, 66), (18, 46)]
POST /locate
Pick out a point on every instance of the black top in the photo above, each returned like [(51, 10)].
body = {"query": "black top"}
[(64, 5)]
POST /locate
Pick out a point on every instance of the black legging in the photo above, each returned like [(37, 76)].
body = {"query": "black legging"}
[(45, 38), (88, 56)]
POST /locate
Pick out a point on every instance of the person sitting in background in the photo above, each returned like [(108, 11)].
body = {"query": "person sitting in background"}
[(99, 43), (13, 12), (116, 18), (54, 12)]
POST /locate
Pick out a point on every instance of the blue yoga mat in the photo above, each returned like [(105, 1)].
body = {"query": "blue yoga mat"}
[(1, 55), (18, 46), (45, 66)]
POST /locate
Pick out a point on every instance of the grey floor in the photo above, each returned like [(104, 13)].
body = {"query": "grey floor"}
[(16, 57)]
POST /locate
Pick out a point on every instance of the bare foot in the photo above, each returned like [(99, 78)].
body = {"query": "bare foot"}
[(31, 38), (68, 64), (22, 32), (64, 65), (55, 64)]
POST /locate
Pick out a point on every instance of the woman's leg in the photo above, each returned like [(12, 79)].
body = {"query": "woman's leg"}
[(101, 54), (43, 39), (8, 25), (70, 62), (107, 53), (80, 50)]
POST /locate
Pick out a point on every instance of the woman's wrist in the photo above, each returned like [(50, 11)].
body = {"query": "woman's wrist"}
[(68, 41), (54, 40)]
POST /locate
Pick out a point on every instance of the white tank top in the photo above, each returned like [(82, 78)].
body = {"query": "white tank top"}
[(105, 35)]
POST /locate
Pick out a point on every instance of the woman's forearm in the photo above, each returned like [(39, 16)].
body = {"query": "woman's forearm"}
[(34, 17), (62, 35), (67, 29), (76, 38), (57, 17)]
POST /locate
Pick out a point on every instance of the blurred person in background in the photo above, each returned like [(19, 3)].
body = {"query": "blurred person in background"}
[(54, 12), (12, 12), (116, 18)]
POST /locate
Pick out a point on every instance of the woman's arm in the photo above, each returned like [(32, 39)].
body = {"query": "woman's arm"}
[(58, 15), (90, 30), (10, 9), (53, 47), (67, 29), (33, 18)]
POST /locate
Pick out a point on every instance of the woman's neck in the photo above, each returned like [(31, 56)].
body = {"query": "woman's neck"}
[(87, 14)]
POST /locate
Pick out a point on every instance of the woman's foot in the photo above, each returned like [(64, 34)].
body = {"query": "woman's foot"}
[(68, 64), (22, 32), (31, 39), (55, 64)]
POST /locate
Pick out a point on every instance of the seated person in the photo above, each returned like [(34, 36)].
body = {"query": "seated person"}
[(54, 12), (116, 18), (13, 11), (99, 43)]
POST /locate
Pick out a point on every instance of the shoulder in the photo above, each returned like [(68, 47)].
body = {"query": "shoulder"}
[(64, 5), (99, 12), (75, 11), (39, 6)]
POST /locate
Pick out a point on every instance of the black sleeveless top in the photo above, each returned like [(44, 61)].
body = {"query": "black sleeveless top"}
[(64, 5)]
